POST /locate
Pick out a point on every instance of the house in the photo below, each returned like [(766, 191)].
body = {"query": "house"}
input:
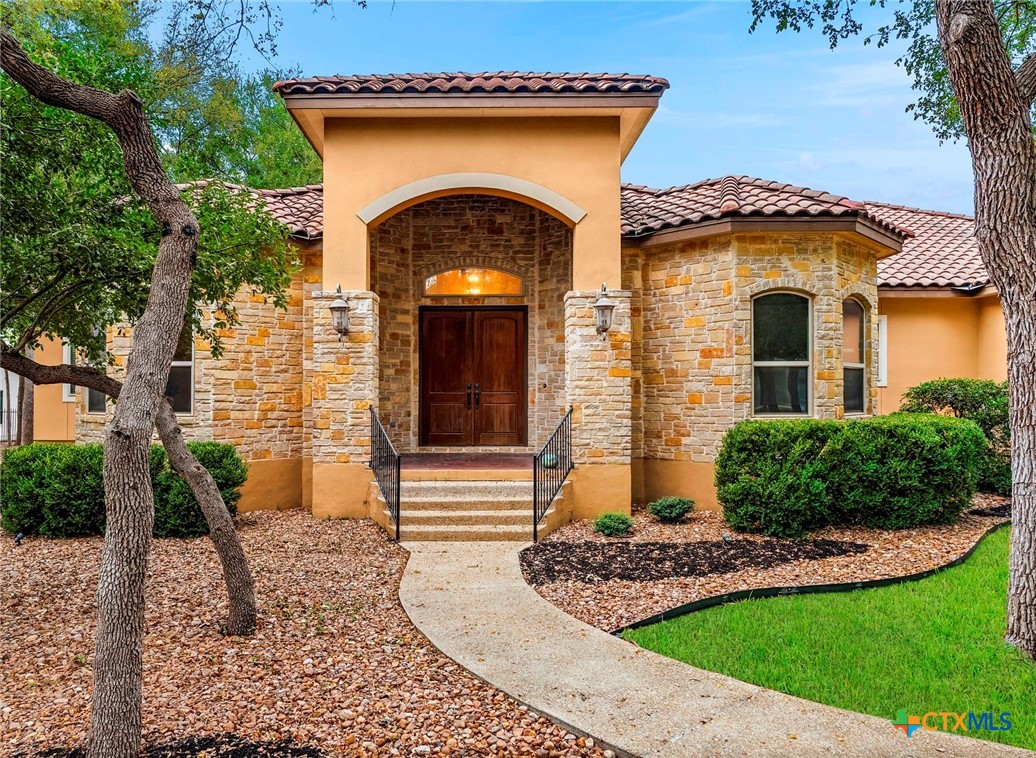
[(470, 220)]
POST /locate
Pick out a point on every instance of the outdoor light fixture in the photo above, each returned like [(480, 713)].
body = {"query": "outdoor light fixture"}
[(603, 308), (340, 313)]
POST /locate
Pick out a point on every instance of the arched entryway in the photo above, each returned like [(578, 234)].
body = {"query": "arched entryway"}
[(506, 266)]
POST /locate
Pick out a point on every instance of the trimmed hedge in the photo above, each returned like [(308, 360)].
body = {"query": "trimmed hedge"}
[(58, 490), (785, 478), (987, 404)]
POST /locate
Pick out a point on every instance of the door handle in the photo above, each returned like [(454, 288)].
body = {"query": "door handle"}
[(467, 397), (476, 396)]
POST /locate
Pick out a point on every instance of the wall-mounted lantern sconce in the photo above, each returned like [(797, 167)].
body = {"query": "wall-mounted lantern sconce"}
[(603, 308), (340, 314)]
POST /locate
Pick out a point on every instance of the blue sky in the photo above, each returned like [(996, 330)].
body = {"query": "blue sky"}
[(781, 107)]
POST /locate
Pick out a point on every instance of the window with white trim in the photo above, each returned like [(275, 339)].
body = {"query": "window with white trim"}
[(782, 365), (180, 387), (68, 355), (881, 323), (854, 366)]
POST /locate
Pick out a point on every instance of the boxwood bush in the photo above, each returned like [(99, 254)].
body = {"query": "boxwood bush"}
[(58, 490), (986, 403), (785, 478)]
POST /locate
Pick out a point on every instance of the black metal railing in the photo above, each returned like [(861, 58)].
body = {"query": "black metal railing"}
[(550, 467), (385, 465)]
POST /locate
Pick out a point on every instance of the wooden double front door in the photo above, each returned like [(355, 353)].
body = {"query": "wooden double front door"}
[(473, 364)]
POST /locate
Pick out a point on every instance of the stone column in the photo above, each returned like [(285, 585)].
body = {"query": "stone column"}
[(344, 386), (598, 382)]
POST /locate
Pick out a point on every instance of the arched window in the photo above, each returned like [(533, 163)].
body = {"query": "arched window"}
[(462, 282), (853, 357), (781, 354)]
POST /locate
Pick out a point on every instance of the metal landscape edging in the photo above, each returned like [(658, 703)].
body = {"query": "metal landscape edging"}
[(807, 589)]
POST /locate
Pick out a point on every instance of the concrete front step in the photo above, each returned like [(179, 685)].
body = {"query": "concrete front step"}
[(464, 489), (466, 504), (467, 533), (411, 517), (470, 509)]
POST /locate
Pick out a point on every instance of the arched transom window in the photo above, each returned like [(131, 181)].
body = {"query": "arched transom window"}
[(781, 354), (461, 282)]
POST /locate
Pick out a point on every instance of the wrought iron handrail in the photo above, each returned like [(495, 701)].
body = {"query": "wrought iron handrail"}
[(385, 465), (550, 467)]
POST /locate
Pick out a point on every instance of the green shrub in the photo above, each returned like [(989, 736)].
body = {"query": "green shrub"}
[(980, 400), (613, 524), (58, 490), (788, 477), (671, 509), (894, 472), (765, 462), (177, 513)]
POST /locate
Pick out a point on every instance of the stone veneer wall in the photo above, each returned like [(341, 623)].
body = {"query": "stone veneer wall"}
[(599, 371), (692, 311), (252, 395), (466, 231)]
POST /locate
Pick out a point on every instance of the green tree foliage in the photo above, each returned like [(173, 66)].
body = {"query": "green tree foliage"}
[(78, 248), (910, 22)]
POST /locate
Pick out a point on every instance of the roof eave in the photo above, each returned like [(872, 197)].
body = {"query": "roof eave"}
[(884, 240)]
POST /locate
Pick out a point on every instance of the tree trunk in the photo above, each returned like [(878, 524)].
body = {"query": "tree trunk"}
[(236, 574), (995, 107), (26, 411), (115, 724)]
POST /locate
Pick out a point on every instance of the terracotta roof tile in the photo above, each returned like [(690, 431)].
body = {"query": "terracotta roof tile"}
[(498, 82), (646, 211), (942, 253), (301, 209)]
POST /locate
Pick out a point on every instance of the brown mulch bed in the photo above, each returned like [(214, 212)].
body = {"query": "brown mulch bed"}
[(335, 667), (613, 600), (591, 561)]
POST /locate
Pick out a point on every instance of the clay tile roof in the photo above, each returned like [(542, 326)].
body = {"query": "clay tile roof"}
[(646, 210), (942, 253), (301, 209), (498, 82)]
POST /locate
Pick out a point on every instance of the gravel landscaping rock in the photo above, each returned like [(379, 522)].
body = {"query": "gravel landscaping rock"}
[(612, 598), (335, 666), (592, 562)]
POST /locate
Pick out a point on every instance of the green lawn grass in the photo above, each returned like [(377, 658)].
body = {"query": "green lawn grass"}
[(932, 645)]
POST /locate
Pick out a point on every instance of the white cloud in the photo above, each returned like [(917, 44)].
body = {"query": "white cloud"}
[(810, 162)]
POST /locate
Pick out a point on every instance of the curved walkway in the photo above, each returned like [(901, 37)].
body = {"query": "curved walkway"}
[(471, 601)]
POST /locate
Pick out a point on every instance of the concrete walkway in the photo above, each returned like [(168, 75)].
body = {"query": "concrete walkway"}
[(470, 600)]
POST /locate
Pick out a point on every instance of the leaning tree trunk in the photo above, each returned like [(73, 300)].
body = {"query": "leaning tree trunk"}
[(237, 576), (115, 725), (995, 104)]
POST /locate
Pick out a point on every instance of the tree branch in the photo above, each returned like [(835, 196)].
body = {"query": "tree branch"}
[(1025, 76)]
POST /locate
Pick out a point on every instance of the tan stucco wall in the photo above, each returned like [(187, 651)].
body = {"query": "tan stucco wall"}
[(933, 337), (366, 158), (54, 420), (992, 340)]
